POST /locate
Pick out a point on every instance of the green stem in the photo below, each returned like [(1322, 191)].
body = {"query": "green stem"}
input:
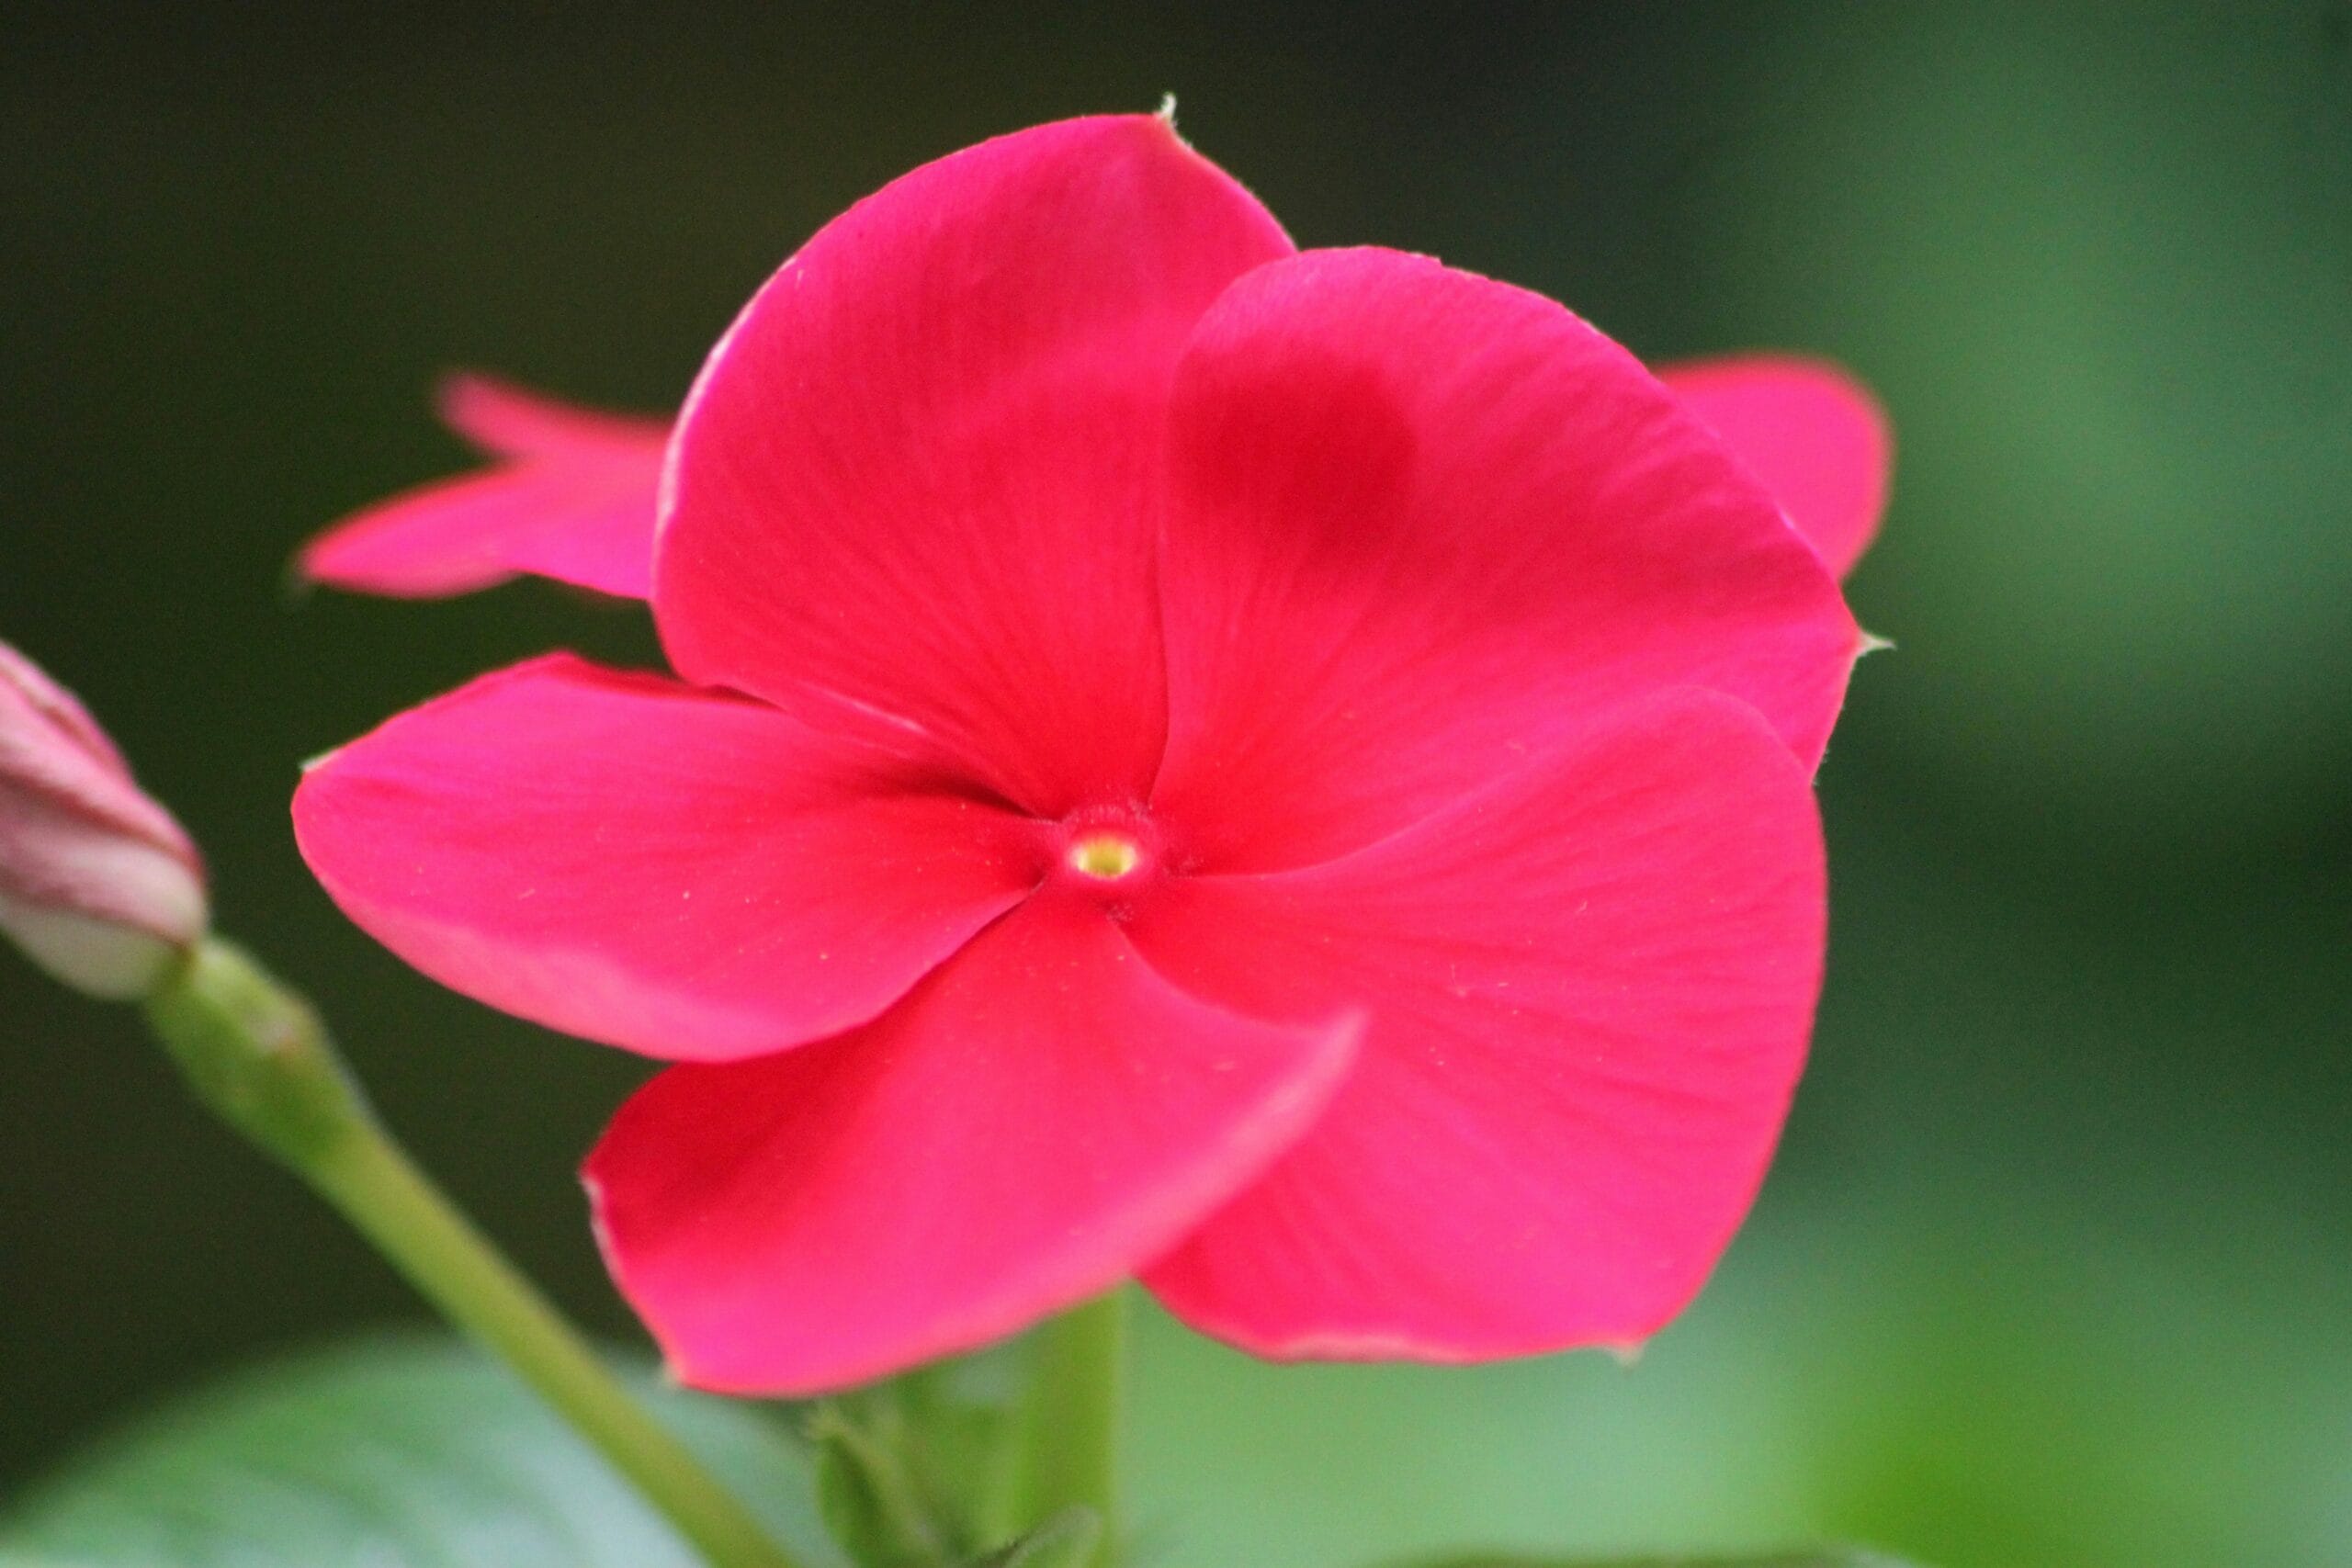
[(258, 1055), (1070, 1425), (396, 1206)]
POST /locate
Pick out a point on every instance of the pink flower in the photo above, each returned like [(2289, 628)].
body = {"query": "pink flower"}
[(97, 883), (1285, 774)]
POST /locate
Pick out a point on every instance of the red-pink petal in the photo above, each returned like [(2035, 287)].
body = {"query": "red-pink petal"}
[(1588, 991), (1040, 1119), (509, 420), (572, 500), (694, 876), (1809, 431), (916, 481), (1422, 524)]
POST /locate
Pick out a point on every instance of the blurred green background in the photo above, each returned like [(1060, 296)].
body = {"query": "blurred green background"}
[(2057, 1265)]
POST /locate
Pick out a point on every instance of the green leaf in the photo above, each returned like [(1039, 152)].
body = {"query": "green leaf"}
[(912, 1471), (392, 1453), (1815, 1557), (956, 1419), (1063, 1541), (864, 1494)]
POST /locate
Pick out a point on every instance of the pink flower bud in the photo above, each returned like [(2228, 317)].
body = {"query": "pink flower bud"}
[(97, 883)]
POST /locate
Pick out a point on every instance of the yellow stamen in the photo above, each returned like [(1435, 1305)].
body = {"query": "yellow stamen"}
[(1106, 855)]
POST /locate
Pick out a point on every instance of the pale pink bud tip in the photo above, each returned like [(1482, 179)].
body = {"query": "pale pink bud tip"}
[(97, 883)]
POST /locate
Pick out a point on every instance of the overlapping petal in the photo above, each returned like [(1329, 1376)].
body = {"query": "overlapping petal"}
[(1813, 434), (1420, 522), (571, 497), (1038, 1120), (917, 480), (1587, 991), (689, 875)]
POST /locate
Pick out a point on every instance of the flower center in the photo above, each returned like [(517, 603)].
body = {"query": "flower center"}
[(1103, 856)]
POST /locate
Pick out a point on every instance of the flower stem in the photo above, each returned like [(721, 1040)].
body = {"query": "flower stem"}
[(1069, 1423), (258, 1055)]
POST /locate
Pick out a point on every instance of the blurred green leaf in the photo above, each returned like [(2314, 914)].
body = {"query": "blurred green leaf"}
[(864, 1494), (1823, 1557), (912, 1471), (1063, 1541), (957, 1416), (406, 1453)]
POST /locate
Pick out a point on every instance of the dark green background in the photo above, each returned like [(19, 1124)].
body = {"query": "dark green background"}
[(2057, 1267)]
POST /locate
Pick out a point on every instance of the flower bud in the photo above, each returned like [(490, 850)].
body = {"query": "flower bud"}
[(97, 883)]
